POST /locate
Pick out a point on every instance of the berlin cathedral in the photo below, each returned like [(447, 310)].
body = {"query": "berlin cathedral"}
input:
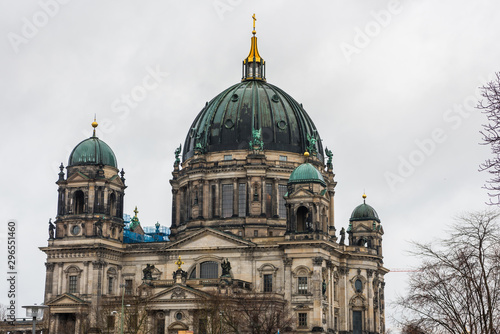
[(252, 224)]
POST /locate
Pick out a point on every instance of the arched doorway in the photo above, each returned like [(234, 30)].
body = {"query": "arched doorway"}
[(177, 326)]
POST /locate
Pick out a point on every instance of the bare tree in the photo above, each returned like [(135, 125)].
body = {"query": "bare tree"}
[(245, 312), (456, 287), (490, 106)]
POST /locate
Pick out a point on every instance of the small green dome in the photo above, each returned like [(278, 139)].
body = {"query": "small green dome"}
[(364, 212), (306, 173), (92, 151)]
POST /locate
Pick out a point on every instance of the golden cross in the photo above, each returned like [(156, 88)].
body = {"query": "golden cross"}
[(136, 211), (254, 19), (179, 262)]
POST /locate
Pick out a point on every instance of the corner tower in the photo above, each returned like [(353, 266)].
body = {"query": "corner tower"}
[(90, 201)]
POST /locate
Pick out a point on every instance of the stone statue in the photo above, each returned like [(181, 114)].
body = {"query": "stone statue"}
[(226, 267), (177, 153), (148, 272), (98, 228), (329, 154), (342, 236), (51, 229)]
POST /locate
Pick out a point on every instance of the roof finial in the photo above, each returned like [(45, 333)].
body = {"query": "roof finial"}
[(136, 212), (179, 263), (94, 125), (364, 198), (254, 19), (254, 65)]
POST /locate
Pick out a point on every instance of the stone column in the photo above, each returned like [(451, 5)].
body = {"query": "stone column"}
[(206, 199), (49, 284), (235, 197), (263, 196), (369, 293), (218, 201), (316, 282), (60, 280), (287, 278), (331, 217), (276, 200), (343, 299)]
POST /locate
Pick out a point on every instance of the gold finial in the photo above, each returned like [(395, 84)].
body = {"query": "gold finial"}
[(94, 125), (364, 198), (254, 19), (306, 154), (136, 212), (179, 262)]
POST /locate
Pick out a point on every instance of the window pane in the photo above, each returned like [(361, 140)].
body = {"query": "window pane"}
[(302, 319), (268, 283), (242, 200), (128, 287), (72, 284), (214, 201), (302, 285), (282, 191), (110, 285), (227, 200), (209, 269)]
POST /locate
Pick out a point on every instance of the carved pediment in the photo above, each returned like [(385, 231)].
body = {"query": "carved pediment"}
[(210, 238), (66, 299), (178, 292)]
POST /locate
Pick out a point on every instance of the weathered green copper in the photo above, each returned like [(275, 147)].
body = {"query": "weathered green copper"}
[(256, 143), (227, 121), (306, 173), (92, 151), (364, 212)]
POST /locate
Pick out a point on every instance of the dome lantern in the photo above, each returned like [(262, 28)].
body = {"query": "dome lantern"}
[(253, 65)]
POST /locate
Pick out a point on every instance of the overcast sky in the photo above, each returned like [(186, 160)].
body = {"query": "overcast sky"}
[(391, 87)]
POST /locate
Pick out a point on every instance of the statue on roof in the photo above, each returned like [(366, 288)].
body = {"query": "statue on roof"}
[(329, 154), (177, 153), (226, 267), (342, 236), (311, 148), (148, 272), (51, 229), (256, 143)]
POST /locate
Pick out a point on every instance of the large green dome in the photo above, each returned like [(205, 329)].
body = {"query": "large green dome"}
[(364, 212), (227, 121), (306, 173), (92, 151)]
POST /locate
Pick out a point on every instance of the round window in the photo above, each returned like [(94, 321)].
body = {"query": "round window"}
[(178, 316), (75, 229)]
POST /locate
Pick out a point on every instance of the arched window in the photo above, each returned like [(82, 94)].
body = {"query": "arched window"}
[(79, 200), (358, 285), (302, 213), (209, 269)]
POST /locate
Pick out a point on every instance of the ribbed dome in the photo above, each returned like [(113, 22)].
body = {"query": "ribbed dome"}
[(364, 212), (227, 121), (92, 151), (306, 173)]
